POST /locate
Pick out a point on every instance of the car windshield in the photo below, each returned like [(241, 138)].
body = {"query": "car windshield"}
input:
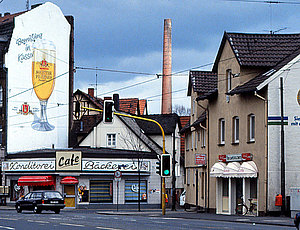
[(52, 195)]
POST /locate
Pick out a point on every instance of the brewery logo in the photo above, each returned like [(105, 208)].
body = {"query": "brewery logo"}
[(44, 64), (25, 109)]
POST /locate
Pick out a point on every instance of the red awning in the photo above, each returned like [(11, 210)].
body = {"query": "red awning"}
[(36, 181), (69, 180)]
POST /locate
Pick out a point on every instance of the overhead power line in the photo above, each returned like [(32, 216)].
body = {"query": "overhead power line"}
[(113, 70), (265, 2)]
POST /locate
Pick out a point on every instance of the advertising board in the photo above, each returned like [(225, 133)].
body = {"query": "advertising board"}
[(38, 80)]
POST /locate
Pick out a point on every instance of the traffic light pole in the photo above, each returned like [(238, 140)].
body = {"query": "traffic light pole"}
[(163, 192)]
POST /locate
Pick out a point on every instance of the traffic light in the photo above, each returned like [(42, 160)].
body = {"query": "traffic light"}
[(166, 165), (158, 168), (108, 113)]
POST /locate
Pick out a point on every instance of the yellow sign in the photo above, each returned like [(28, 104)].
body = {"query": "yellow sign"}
[(68, 161)]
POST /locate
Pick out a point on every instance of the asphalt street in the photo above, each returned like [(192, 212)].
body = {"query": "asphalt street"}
[(90, 219)]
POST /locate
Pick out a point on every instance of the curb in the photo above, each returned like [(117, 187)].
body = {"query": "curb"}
[(254, 222)]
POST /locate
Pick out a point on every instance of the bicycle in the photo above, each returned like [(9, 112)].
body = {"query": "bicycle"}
[(242, 208)]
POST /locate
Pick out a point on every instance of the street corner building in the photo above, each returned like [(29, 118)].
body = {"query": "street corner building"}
[(244, 119)]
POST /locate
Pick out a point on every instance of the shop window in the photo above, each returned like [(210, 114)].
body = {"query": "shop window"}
[(222, 131), (236, 130), (253, 188), (16, 191), (111, 140), (251, 127), (132, 191), (101, 191)]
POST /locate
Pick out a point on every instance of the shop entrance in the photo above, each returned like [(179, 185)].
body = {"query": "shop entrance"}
[(238, 191), (70, 197)]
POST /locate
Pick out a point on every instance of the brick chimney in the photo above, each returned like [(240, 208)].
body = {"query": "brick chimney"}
[(166, 104), (91, 92)]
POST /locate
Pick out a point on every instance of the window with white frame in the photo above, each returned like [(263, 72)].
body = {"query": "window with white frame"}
[(222, 131), (203, 138), (193, 136), (187, 142), (111, 140), (228, 80), (236, 130), (196, 138), (251, 127), (194, 106)]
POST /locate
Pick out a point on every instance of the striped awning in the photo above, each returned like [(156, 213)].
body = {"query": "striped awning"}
[(36, 181)]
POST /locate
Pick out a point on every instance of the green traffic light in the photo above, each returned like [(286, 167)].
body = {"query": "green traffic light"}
[(166, 172)]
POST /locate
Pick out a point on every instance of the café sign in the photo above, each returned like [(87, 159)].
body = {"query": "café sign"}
[(108, 165), (68, 161), (236, 157), (17, 166)]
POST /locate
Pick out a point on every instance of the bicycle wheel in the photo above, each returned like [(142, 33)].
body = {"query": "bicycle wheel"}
[(241, 209)]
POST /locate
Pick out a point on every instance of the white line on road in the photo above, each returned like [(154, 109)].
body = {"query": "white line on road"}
[(4, 227), (38, 221), (1, 218), (75, 225), (106, 228)]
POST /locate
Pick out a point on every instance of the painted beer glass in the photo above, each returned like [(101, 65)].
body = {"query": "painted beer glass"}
[(43, 79)]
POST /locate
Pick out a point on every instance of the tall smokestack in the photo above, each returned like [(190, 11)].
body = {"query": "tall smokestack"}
[(166, 104)]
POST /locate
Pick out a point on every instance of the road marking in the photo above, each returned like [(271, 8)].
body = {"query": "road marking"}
[(4, 227), (75, 225), (106, 228), (39, 221), (7, 218)]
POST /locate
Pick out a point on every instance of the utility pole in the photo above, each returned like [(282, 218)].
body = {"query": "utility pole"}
[(282, 150)]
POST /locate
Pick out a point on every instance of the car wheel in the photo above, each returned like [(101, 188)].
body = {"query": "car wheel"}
[(36, 210), (57, 211), (18, 208)]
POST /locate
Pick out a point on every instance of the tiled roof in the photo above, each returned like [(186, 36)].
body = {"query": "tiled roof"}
[(167, 121), (264, 50), (209, 95), (129, 105), (252, 84), (200, 119), (202, 81)]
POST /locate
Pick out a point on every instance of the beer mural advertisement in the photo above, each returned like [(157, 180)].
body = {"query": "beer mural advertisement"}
[(38, 80)]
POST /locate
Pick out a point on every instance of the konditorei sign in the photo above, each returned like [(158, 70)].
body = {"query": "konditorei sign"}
[(17, 166), (68, 161)]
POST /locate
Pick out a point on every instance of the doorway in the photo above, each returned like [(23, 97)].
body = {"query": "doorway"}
[(70, 196)]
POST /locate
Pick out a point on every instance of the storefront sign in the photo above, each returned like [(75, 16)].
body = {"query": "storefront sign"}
[(14, 166), (68, 161), (106, 165), (236, 157), (200, 159)]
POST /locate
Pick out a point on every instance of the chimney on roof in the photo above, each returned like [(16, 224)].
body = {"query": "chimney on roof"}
[(166, 104), (116, 101), (6, 14), (91, 92)]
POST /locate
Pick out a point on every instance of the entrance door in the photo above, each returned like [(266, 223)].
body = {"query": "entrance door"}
[(239, 191), (70, 196)]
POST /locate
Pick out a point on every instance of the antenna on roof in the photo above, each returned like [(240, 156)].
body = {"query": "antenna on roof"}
[(27, 4)]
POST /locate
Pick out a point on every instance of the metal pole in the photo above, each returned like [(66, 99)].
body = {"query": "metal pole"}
[(173, 176), (282, 151), (139, 192), (117, 196)]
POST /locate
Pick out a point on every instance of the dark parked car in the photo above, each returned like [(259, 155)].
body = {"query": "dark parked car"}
[(41, 200), (297, 220)]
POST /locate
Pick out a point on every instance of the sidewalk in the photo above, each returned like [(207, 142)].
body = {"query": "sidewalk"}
[(268, 220)]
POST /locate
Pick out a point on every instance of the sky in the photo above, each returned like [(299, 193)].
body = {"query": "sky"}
[(126, 35)]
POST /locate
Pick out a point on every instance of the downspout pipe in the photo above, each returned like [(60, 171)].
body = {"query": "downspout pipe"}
[(266, 146)]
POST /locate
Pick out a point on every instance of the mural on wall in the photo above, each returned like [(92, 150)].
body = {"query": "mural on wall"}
[(38, 80)]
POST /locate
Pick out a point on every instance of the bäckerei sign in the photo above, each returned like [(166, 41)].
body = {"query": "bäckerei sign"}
[(107, 165)]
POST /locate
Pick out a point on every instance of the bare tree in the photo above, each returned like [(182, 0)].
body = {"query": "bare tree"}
[(181, 110)]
